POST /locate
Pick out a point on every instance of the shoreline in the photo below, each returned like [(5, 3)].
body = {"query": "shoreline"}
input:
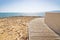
[(22, 16)]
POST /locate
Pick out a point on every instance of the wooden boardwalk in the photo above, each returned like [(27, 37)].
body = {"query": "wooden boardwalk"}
[(38, 30)]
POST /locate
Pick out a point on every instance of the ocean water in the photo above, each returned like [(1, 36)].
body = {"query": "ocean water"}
[(9, 14), (19, 14)]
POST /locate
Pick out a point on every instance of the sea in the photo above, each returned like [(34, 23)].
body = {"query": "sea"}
[(20, 14)]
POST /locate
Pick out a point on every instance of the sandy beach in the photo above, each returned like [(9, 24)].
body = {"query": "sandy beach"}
[(14, 28), (22, 28)]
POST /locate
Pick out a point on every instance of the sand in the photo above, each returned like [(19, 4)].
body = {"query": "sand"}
[(14, 28), (22, 28)]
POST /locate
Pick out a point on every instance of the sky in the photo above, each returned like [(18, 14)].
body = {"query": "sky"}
[(29, 6)]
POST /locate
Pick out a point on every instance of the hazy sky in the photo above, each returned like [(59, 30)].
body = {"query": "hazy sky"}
[(29, 6)]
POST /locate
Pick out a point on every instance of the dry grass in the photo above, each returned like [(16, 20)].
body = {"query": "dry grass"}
[(14, 28)]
